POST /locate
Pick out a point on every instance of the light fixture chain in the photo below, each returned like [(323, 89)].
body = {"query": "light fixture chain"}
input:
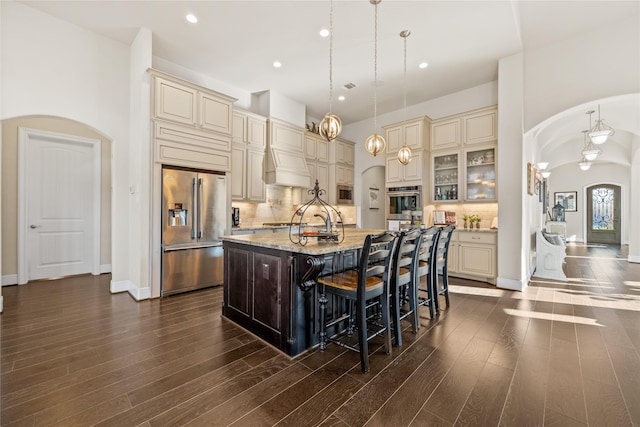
[(375, 71), (330, 55), (405, 79)]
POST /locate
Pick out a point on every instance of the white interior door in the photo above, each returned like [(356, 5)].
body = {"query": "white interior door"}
[(59, 194)]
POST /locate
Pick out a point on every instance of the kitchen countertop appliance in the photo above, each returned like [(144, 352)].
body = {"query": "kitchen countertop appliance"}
[(194, 217)]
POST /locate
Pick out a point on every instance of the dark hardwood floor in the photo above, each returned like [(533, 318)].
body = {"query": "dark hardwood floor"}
[(558, 354)]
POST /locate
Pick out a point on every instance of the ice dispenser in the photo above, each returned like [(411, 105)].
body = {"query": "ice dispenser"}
[(178, 216)]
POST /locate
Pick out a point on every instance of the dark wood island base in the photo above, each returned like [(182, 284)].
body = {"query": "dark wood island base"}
[(269, 285)]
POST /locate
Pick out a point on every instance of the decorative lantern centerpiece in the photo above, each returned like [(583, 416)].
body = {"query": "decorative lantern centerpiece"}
[(557, 213), (300, 233)]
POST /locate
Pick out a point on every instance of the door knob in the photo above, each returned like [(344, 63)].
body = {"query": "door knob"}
[(34, 226)]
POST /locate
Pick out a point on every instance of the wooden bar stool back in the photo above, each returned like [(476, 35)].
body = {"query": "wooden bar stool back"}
[(441, 287), (368, 288), (427, 269), (403, 284)]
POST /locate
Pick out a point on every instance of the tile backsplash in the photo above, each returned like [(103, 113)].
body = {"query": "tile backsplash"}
[(281, 205), (486, 211)]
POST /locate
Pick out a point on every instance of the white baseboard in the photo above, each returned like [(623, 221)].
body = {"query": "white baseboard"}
[(1, 303), (10, 279), (105, 268), (137, 293), (633, 258), (511, 284)]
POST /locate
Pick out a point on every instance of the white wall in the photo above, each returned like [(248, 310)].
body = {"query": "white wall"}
[(569, 178), (51, 67), (566, 74), (634, 204)]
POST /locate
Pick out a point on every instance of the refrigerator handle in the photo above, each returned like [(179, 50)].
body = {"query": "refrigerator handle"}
[(194, 217), (200, 213)]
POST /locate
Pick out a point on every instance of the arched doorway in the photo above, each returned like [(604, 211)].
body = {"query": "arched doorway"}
[(603, 214)]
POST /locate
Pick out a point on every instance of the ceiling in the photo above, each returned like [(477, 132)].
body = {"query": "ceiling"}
[(237, 42)]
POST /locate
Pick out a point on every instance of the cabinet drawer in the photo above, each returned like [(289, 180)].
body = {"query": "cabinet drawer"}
[(477, 237)]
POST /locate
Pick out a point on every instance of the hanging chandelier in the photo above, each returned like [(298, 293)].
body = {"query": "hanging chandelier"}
[(404, 154), (590, 153), (600, 131), (330, 126), (375, 143), (584, 164)]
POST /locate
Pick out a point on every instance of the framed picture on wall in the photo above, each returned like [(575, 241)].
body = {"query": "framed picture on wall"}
[(531, 179), (568, 199)]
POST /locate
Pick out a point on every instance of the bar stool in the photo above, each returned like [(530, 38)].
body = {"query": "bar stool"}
[(427, 269), (368, 288), (403, 283), (442, 253)]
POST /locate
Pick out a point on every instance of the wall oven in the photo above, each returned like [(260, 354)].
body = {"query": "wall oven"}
[(402, 200), (344, 195)]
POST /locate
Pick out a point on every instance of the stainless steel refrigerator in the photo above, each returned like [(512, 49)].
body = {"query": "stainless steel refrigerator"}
[(194, 217)]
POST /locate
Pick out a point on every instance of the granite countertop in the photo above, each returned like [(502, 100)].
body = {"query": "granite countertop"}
[(280, 226), (353, 239), (478, 230)]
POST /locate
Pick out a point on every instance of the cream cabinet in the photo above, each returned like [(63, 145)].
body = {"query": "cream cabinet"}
[(412, 132), (286, 136), (249, 129), (480, 127), (182, 102), (316, 148), (342, 152), (475, 253), (410, 174), (318, 171), (473, 127), (480, 174), (247, 174), (445, 181)]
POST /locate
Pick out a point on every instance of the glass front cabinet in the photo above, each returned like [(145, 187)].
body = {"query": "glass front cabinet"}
[(480, 174), (446, 170), (467, 175)]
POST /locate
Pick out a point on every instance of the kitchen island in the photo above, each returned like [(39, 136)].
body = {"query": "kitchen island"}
[(269, 284)]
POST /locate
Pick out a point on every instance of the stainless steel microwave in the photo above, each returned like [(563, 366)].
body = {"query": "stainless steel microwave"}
[(344, 195)]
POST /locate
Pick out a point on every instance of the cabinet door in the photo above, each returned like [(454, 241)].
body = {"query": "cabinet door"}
[(238, 133), (481, 127), (267, 282), (477, 259), (445, 181), (344, 153), (256, 190), (215, 113), (175, 102), (413, 135), (310, 147), (445, 134), (394, 139), (238, 172), (322, 150), (452, 257), (393, 170), (256, 132), (344, 175), (237, 269), (480, 174), (413, 170)]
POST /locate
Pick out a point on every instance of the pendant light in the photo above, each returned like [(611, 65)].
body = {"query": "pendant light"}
[(584, 164), (600, 131), (404, 154), (590, 153), (330, 126), (375, 143)]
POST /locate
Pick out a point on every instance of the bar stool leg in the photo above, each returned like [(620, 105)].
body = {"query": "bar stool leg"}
[(322, 300)]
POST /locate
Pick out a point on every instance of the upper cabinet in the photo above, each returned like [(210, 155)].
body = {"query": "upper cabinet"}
[(249, 129), (344, 152), (412, 131), (316, 148), (475, 127), (182, 102), (192, 124)]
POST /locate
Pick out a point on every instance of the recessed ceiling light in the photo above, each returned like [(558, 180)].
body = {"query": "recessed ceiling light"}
[(423, 65), (341, 98), (277, 64), (324, 32), (192, 18)]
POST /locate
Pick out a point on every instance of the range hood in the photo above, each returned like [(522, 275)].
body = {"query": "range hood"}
[(288, 168)]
